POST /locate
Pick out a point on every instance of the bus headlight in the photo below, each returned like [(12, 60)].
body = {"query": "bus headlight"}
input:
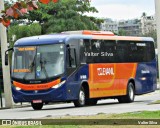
[(59, 85), (18, 89), (143, 78)]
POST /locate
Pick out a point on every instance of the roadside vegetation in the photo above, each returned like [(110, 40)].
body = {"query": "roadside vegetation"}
[(132, 115), (65, 15)]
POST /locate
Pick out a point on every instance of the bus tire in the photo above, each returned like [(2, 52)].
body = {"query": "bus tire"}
[(81, 98), (37, 106), (130, 94), (91, 102)]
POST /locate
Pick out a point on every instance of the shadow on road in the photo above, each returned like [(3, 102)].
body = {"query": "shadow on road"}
[(143, 101), (71, 106)]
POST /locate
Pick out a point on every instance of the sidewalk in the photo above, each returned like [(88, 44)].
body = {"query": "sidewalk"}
[(15, 105), (158, 85)]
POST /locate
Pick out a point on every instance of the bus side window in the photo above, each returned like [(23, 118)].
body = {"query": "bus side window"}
[(87, 49), (150, 51), (71, 58), (108, 47), (82, 53), (95, 46), (123, 52), (133, 51), (140, 53)]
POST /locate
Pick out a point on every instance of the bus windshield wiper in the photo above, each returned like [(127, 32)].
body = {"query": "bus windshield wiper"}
[(42, 62), (30, 67)]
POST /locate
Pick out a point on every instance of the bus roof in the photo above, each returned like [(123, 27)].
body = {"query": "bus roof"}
[(131, 38), (63, 37), (89, 32), (42, 39), (107, 35)]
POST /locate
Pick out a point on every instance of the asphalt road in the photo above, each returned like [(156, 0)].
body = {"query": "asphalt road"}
[(104, 106)]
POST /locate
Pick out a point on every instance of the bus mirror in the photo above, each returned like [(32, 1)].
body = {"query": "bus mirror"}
[(6, 59), (6, 55)]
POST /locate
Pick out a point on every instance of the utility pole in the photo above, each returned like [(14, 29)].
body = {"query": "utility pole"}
[(5, 69), (157, 7)]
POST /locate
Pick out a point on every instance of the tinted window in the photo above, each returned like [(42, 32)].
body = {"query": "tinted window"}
[(109, 51), (99, 51), (71, 58), (151, 51), (134, 51)]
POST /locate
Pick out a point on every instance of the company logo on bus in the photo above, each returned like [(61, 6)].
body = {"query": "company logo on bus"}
[(105, 71)]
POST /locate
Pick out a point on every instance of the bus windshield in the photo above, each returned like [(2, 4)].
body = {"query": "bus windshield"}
[(38, 62)]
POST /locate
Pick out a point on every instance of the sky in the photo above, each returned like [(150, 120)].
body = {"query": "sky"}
[(122, 9)]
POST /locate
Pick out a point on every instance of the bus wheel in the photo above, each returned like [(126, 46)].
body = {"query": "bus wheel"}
[(91, 102), (37, 106), (81, 99), (130, 94)]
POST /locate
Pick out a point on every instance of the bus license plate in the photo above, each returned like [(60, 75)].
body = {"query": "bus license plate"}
[(37, 101)]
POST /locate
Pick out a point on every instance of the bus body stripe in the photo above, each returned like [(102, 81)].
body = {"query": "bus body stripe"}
[(36, 86), (108, 84)]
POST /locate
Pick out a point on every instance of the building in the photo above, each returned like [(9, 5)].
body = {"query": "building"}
[(109, 25), (131, 27), (148, 24)]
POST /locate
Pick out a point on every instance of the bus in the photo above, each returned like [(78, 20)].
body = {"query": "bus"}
[(82, 67)]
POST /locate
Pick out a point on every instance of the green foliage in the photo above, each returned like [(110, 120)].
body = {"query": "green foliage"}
[(45, 126), (153, 34), (122, 32), (140, 115), (23, 31), (66, 15), (18, 32)]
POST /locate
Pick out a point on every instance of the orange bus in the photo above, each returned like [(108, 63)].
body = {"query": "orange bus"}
[(83, 67)]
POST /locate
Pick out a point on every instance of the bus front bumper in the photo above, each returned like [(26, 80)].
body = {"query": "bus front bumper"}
[(50, 95)]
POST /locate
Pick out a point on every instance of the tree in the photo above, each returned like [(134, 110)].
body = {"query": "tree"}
[(16, 32), (151, 33), (65, 15), (144, 14), (18, 9), (62, 15), (122, 32)]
